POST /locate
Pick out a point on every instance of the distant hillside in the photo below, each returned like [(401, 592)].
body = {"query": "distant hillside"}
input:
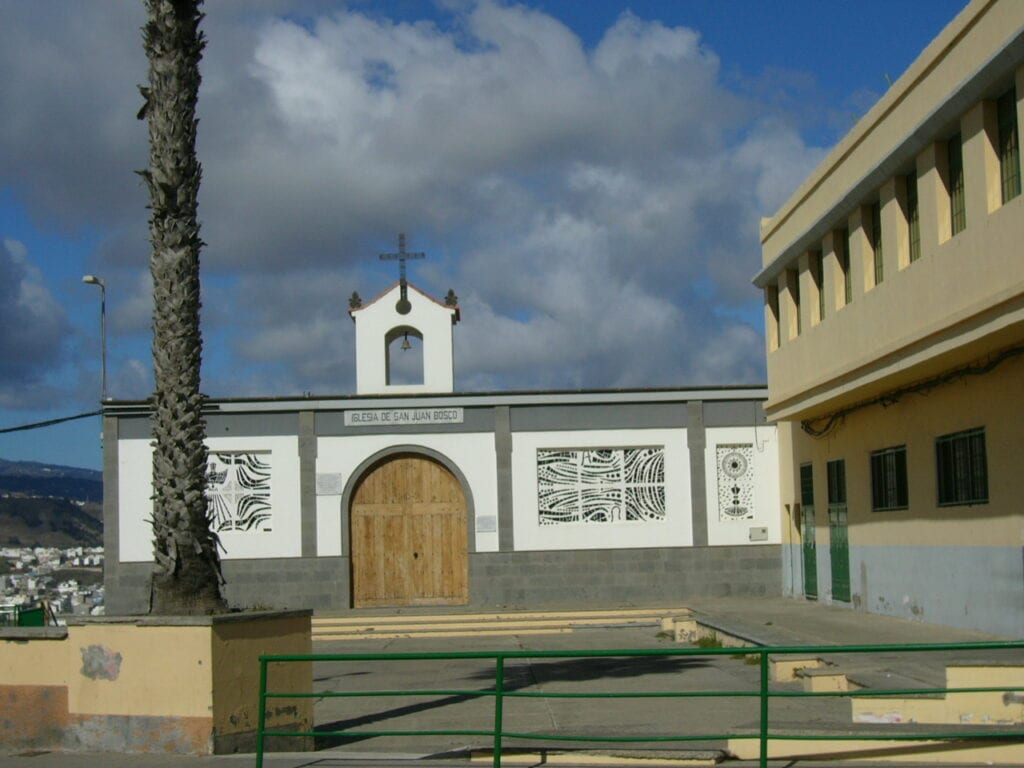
[(34, 479), (38, 522)]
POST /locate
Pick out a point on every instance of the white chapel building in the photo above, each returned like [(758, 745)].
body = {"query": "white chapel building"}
[(412, 493)]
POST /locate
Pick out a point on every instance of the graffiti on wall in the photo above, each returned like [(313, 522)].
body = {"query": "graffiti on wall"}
[(600, 485), (735, 468), (238, 489)]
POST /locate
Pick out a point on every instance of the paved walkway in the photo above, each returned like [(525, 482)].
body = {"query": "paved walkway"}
[(774, 621)]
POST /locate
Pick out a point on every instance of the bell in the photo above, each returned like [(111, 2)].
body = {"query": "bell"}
[(405, 342)]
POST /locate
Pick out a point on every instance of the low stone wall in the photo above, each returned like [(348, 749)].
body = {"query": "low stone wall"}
[(151, 684), (526, 579), (622, 576)]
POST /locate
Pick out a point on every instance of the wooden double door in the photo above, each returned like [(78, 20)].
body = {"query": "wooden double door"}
[(408, 535)]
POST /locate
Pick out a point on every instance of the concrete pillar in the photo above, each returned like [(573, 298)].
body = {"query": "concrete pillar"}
[(789, 299), (933, 197), (895, 229), (833, 245), (773, 338), (503, 453), (808, 291), (307, 482), (979, 128), (861, 255), (696, 442)]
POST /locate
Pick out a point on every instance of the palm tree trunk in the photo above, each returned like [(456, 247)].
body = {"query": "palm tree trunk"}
[(187, 577)]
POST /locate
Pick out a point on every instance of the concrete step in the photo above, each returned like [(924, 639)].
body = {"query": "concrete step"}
[(391, 626), (995, 708)]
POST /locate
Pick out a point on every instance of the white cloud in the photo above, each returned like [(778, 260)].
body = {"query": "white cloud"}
[(34, 329), (595, 208)]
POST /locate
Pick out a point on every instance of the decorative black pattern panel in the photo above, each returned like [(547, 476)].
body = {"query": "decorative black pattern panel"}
[(600, 485), (238, 489), (735, 467)]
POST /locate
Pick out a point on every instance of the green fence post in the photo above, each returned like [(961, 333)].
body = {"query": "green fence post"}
[(262, 717), (764, 709), (499, 687)]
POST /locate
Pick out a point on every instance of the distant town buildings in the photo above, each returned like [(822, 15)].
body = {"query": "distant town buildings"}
[(30, 575)]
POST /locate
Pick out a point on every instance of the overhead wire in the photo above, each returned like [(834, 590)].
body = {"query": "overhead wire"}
[(892, 397), (49, 422)]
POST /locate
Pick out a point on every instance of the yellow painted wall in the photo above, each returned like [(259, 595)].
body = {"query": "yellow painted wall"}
[(197, 680), (964, 297), (951, 305), (165, 671), (992, 401), (236, 651), (39, 662)]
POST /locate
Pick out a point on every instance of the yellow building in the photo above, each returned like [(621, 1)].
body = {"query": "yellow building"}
[(894, 305)]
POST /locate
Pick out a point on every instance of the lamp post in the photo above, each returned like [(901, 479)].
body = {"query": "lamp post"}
[(93, 280)]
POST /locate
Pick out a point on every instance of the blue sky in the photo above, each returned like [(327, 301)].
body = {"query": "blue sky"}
[(587, 176)]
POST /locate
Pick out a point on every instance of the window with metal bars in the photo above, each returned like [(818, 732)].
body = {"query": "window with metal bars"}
[(961, 467), (794, 281), (876, 240), (913, 218), (818, 261), (1009, 150), (957, 203), (837, 481), (844, 266), (889, 479), (806, 486)]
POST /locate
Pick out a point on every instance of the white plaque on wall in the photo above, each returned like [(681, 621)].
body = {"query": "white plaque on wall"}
[(329, 484), (486, 524), (398, 417)]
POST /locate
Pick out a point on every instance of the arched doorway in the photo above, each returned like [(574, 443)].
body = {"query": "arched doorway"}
[(408, 535)]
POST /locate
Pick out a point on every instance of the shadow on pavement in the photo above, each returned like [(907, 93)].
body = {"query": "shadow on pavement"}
[(517, 677)]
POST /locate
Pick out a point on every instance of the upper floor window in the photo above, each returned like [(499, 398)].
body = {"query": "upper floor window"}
[(962, 468), (1009, 151), (836, 481), (889, 479), (957, 204), (913, 218), (806, 486), (876, 240), (844, 266), (793, 279), (818, 269)]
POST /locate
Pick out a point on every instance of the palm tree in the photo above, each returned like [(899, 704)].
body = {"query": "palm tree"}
[(187, 577)]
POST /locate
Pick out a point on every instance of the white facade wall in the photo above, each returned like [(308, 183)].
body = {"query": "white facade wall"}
[(281, 538), (474, 456), (379, 322), (764, 518)]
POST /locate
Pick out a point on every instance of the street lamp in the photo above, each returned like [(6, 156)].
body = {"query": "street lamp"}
[(93, 280)]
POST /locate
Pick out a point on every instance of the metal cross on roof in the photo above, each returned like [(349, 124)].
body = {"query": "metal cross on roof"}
[(403, 305)]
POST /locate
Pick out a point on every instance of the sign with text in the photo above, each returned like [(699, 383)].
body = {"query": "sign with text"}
[(399, 417)]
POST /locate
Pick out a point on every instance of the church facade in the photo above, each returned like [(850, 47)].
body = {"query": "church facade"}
[(408, 493)]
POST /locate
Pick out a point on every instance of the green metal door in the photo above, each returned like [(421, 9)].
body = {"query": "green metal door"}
[(839, 542), (810, 556), (839, 548)]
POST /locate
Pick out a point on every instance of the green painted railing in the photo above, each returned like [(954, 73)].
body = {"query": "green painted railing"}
[(499, 692)]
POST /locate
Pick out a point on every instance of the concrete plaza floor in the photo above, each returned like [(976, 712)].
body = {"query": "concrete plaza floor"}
[(773, 621)]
